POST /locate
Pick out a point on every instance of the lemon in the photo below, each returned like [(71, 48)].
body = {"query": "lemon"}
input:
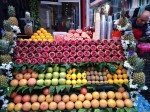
[(79, 75), (83, 75), (116, 81), (69, 71), (121, 81), (84, 81), (110, 81), (68, 82), (79, 81), (74, 70), (73, 76), (73, 82), (126, 81), (68, 76)]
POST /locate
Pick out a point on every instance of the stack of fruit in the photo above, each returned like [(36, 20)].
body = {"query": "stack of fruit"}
[(26, 77), (54, 76), (120, 77), (75, 78), (85, 100), (71, 51), (96, 77)]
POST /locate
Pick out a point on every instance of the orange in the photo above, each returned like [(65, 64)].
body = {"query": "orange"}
[(38, 31), (110, 81), (123, 71), (115, 76), (119, 76), (116, 81), (44, 31), (121, 81), (41, 29), (126, 81), (41, 34), (118, 71), (125, 76), (47, 37), (109, 76), (44, 39), (35, 40), (120, 67), (51, 40), (35, 34), (38, 37), (32, 37)]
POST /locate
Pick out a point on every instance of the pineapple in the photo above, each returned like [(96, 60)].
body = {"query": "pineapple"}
[(11, 12), (131, 59), (3, 80), (8, 33), (125, 37), (28, 30), (5, 58), (131, 37), (123, 20), (138, 75)]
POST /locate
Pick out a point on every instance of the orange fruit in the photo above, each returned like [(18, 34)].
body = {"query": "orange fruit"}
[(51, 40), (110, 81), (115, 76), (125, 76), (119, 76), (44, 39), (109, 76), (32, 37), (116, 81), (44, 31), (117, 66), (118, 71), (120, 67), (38, 37), (41, 29), (126, 81), (121, 81), (123, 71), (38, 31), (35, 34)]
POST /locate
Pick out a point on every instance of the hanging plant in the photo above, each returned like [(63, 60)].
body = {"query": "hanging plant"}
[(34, 13)]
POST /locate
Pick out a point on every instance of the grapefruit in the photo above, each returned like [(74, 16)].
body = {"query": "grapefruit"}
[(10, 106), (44, 106), (26, 98), (88, 96), (103, 95), (41, 98), (57, 98), (111, 95), (14, 82), (53, 106), (120, 103), (95, 103), (26, 106), (95, 95), (18, 107), (65, 98), (125, 95), (103, 103), (87, 104), (111, 103), (46, 91), (34, 98), (78, 104), (81, 97), (128, 103), (49, 98), (118, 95), (61, 105), (17, 99), (69, 105), (31, 82), (73, 97), (35, 106)]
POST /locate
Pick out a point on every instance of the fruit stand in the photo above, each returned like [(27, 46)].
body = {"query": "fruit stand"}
[(73, 73)]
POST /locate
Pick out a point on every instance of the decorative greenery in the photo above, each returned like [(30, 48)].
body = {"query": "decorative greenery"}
[(34, 13)]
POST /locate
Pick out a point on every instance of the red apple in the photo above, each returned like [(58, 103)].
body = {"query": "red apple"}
[(121, 89), (83, 90)]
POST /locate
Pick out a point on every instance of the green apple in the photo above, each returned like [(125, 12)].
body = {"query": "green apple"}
[(48, 75), (40, 82), (62, 74), (41, 76), (55, 75), (50, 70), (54, 82), (62, 81), (56, 68), (47, 82), (62, 69)]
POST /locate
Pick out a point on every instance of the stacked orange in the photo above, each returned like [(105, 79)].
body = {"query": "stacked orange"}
[(120, 77), (41, 35)]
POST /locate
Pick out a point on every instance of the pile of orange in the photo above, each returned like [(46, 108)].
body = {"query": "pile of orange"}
[(41, 35), (120, 77)]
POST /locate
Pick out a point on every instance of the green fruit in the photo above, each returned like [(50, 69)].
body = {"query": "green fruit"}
[(48, 75), (62, 81), (56, 69), (55, 75), (62, 69), (50, 70), (47, 82), (40, 82), (62, 75), (54, 82)]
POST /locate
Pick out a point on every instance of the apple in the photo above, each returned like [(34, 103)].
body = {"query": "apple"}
[(40, 82), (50, 70), (56, 68), (62, 69), (47, 82), (41, 76), (62, 81), (55, 75), (83, 90), (54, 82), (48, 75), (62, 75)]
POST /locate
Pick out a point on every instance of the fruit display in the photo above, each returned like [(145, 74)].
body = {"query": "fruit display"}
[(72, 51)]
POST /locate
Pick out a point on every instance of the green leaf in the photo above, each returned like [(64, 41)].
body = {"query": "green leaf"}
[(68, 88), (128, 109), (58, 88), (52, 90), (48, 111), (25, 89), (96, 110), (120, 110), (112, 68), (74, 110), (77, 86), (67, 66), (82, 110), (100, 66), (109, 109), (89, 110), (31, 89), (19, 88), (62, 87), (10, 91), (57, 110), (38, 87)]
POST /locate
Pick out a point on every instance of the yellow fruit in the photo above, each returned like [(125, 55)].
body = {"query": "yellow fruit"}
[(123, 71), (111, 103), (119, 76), (126, 81), (110, 81), (74, 70), (73, 82), (125, 76), (68, 76), (50, 40), (118, 71), (109, 76), (68, 82), (83, 75), (121, 81), (73, 76), (38, 31), (79, 75), (69, 71), (115, 76), (10, 106), (116, 81), (79, 81), (35, 34), (84, 81)]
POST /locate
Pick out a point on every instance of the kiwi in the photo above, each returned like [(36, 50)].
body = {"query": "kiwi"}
[(89, 82), (89, 78), (88, 69), (105, 78), (93, 82), (95, 72), (97, 78), (91, 73), (92, 68), (97, 82), (104, 73), (101, 78), (101, 82), (88, 73), (105, 82), (100, 73), (93, 78)]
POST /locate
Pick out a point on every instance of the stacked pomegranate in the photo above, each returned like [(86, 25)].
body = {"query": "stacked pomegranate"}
[(68, 51)]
